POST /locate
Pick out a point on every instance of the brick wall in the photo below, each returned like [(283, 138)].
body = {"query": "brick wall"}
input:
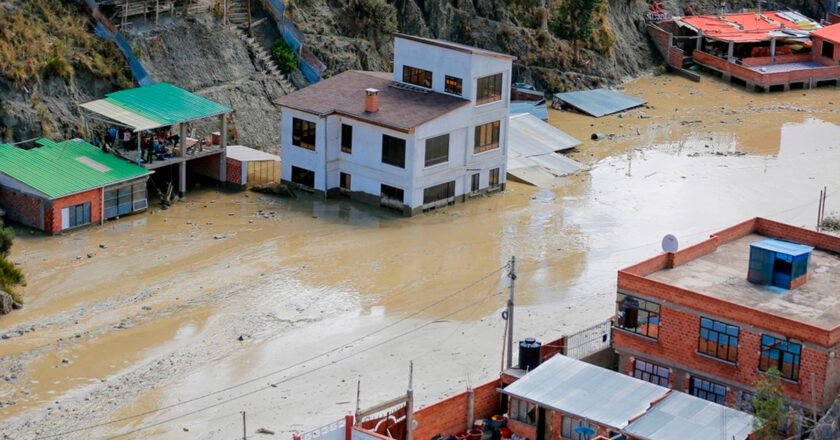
[(679, 330), (660, 37), (21, 207), (788, 58), (207, 166), (523, 430), (234, 171), (449, 416), (677, 345), (765, 78), (52, 214), (550, 349), (675, 57)]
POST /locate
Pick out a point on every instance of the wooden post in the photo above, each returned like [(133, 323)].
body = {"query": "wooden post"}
[(223, 156), (157, 12), (249, 15)]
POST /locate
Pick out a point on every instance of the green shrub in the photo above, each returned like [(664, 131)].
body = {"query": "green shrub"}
[(58, 66), (7, 234), (285, 56)]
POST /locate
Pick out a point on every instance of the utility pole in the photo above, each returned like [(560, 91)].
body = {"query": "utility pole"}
[(409, 403), (244, 430), (512, 276)]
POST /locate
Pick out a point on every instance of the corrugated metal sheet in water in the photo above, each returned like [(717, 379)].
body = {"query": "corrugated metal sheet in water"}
[(599, 102)]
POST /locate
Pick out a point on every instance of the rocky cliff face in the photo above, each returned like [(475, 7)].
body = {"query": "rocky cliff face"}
[(543, 59), (200, 55)]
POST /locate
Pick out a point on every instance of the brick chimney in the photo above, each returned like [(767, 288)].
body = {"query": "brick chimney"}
[(371, 100)]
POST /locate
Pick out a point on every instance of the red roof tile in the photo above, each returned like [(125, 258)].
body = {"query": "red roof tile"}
[(401, 108)]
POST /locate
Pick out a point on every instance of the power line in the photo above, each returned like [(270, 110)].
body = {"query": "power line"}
[(299, 363), (307, 372)]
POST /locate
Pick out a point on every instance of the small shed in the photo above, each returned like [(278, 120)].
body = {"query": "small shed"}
[(779, 263), (249, 167)]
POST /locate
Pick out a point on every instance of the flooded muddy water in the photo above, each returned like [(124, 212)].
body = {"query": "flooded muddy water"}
[(180, 319)]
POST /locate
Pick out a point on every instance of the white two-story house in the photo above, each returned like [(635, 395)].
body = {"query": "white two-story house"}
[(432, 133)]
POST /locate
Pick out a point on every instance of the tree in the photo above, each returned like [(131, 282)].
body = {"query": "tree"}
[(575, 22), (769, 406)]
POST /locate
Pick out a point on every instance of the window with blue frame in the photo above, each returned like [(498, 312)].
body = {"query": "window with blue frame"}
[(780, 354), (637, 315), (704, 389), (718, 339)]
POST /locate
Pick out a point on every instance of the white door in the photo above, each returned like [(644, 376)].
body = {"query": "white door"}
[(65, 218)]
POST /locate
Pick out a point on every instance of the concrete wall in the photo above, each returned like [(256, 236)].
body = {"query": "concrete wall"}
[(302, 157), (364, 164), (441, 62), (681, 310)]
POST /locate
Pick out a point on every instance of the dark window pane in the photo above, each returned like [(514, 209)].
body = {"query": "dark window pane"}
[(418, 77), (453, 85), (346, 138), (393, 151), (437, 150), (303, 133), (489, 89)]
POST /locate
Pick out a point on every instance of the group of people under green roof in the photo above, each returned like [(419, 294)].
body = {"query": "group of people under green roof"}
[(159, 145)]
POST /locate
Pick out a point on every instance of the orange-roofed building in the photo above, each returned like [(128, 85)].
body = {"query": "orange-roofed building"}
[(826, 41)]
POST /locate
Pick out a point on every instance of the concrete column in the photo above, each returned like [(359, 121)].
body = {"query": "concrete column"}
[(223, 156), (182, 178), (679, 378), (773, 50), (731, 51)]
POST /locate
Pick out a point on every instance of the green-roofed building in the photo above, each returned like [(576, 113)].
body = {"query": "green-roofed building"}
[(62, 185), (156, 109)]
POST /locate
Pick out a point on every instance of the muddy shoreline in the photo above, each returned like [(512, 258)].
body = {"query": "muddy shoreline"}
[(154, 318)]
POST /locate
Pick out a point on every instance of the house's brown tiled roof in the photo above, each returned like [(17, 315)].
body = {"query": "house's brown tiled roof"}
[(400, 108)]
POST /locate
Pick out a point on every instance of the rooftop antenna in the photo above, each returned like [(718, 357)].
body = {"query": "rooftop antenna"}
[(670, 243)]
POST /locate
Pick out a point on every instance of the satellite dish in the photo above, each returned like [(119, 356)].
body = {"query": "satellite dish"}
[(669, 243)]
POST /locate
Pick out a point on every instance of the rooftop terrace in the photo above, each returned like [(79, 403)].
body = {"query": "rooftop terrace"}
[(723, 274)]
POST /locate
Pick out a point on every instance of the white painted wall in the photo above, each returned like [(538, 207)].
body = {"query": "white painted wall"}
[(365, 165), (302, 157)]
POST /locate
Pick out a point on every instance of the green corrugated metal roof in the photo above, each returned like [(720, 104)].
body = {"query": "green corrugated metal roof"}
[(166, 103), (58, 169)]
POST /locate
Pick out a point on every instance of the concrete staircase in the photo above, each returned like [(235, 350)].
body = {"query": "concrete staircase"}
[(266, 58), (237, 12)]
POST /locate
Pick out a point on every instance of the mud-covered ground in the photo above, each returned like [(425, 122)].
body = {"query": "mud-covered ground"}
[(169, 323)]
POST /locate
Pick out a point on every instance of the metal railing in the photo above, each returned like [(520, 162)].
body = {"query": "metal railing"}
[(589, 341)]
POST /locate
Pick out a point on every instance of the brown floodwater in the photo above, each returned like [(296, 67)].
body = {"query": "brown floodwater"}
[(152, 317)]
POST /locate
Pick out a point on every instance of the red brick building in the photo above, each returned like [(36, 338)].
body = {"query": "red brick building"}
[(691, 320), (59, 186)]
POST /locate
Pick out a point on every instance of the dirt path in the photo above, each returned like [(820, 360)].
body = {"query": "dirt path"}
[(151, 321)]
